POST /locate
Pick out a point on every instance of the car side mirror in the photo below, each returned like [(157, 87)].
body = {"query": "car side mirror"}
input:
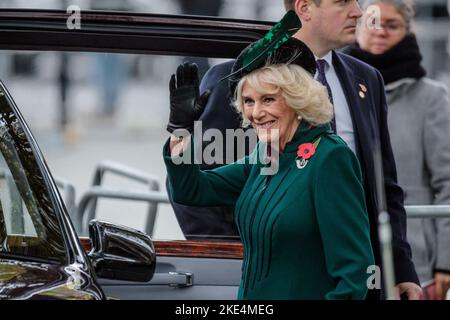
[(121, 253)]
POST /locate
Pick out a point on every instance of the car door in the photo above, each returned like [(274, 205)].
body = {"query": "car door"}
[(185, 269)]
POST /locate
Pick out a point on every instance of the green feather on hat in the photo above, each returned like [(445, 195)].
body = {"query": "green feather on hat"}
[(277, 47), (274, 38)]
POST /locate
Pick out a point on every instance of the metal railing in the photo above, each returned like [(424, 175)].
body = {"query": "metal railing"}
[(92, 195), (88, 203), (385, 236), (428, 211)]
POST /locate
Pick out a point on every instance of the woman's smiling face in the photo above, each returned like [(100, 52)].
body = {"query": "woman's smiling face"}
[(269, 114)]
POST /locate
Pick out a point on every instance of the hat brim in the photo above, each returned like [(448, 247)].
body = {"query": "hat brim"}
[(293, 51)]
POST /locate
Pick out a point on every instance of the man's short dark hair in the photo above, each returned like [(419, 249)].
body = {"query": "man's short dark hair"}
[(289, 4)]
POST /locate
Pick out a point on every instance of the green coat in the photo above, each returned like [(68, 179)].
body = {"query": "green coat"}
[(305, 231)]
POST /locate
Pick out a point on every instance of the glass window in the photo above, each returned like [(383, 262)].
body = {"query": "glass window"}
[(28, 223), (88, 108)]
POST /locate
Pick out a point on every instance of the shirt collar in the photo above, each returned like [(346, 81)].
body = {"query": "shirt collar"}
[(328, 58)]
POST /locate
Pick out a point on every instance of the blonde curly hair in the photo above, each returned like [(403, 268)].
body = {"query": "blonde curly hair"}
[(300, 91)]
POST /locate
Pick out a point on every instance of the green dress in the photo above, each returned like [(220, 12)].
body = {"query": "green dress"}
[(305, 231)]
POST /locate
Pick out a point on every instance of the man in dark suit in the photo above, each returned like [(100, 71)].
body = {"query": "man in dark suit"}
[(212, 223)]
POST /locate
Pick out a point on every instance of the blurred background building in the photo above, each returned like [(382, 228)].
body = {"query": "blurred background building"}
[(87, 107)]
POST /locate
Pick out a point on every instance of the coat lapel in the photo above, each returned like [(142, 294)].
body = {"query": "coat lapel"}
[(358, 95)]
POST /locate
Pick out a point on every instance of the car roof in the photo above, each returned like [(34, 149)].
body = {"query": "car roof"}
[(128, 32)]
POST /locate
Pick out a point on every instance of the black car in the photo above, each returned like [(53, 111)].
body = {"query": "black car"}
[(40, 254)]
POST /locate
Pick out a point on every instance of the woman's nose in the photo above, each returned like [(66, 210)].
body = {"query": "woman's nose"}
[(258, 110), (381, 31)]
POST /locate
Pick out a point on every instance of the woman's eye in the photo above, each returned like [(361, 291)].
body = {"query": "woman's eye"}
[(248, 101), (268, 100)]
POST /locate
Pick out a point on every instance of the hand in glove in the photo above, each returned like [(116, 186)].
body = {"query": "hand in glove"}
[(186, 104)]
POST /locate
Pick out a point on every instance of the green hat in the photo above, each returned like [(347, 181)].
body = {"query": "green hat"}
[(277, 47)]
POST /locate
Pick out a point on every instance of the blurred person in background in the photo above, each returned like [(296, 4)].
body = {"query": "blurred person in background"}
[(110, 68), (110, 76), (201, 8), (419, 126)]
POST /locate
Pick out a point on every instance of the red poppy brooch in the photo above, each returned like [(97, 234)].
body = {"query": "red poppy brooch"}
[(305, 152)]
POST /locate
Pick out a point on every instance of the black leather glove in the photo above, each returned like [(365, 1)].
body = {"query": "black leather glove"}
[(186, 104)]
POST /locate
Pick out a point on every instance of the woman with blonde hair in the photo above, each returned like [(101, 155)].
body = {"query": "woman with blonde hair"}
[(305, 228)]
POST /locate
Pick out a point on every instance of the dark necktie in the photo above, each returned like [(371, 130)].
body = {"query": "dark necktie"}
[(321, 64)]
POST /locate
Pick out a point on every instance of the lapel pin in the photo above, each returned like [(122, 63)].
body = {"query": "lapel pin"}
[(363, 87), (362, 95), (301, 163), (305, 152)]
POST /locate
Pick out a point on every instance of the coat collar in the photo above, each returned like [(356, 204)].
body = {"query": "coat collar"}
[(399, 83), (328, 58), (305, 133)]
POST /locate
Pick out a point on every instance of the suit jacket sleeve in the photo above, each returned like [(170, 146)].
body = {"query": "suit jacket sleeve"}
[(344, 224), (437, 159), (218, 187), (404, 267), (219, 113)]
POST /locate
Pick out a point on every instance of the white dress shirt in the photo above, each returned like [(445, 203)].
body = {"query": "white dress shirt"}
[(344, 124)]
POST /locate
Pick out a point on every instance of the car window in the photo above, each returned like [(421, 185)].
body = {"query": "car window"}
[(28, 223), (17, 219), (116, 108)]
